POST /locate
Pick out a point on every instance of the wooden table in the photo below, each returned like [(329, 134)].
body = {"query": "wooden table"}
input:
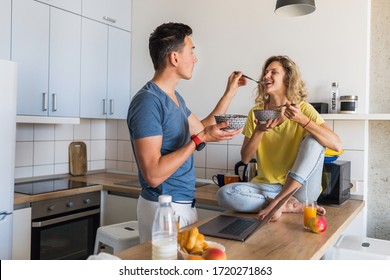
[(284, 239)]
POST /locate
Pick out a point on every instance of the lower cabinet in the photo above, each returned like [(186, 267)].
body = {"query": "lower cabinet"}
[(118, 207), (21, 234)]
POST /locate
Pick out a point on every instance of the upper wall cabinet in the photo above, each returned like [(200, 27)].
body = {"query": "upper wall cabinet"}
[(105, 71), (113, 12), (46, 44), (68, 5), (5, 29)]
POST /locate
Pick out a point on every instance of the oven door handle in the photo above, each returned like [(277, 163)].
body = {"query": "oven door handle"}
[(64, 218)]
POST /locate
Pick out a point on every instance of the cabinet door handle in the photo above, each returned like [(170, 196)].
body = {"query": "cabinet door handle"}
[(54, 102), (111, 106), (44, 101), (104, 107), (113, 20)]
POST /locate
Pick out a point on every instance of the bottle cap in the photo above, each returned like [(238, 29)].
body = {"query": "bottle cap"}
[(335, 84), (164, 198)]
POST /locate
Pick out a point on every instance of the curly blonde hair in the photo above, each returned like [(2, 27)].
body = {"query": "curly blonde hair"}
[(296, 88)]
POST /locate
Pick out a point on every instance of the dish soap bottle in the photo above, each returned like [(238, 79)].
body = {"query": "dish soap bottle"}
[(164, 231), (334, 99)]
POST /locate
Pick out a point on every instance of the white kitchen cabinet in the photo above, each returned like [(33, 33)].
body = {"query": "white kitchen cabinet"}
[(5, 29), (113, 12), (118, 76), (21, 234), (73, 6), (118, 208), (46, 45), (105, 71)]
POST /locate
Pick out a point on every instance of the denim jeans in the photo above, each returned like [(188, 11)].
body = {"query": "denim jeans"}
[(307, 170)]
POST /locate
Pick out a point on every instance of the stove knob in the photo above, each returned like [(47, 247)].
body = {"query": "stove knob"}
[(51, 208), (87, 201), (69, 204)]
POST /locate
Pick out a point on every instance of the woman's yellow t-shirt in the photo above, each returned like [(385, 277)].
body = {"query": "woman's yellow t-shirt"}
[(278, 147)]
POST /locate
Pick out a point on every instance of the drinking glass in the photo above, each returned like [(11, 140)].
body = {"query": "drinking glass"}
[(310, 211)]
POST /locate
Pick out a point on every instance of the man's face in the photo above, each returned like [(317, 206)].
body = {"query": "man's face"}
[(186, 59)]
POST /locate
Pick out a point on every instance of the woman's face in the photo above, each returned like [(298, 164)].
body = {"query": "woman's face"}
[(274, 76)]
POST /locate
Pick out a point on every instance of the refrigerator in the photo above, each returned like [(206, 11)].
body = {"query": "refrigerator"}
[(8, 72)]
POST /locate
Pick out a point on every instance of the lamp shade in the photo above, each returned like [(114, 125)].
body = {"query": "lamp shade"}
[(294, 7)]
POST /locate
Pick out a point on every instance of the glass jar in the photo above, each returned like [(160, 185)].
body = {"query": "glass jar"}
[(348, 104)]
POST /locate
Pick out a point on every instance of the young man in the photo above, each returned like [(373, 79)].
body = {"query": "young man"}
[(163, 131)]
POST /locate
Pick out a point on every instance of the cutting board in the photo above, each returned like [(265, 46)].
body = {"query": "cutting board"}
[(78, 164)]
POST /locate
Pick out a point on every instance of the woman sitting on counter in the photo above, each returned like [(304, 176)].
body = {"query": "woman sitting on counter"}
[(289, 149)]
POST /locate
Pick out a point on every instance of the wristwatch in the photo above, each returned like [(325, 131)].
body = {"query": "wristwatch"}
[(198, 143)]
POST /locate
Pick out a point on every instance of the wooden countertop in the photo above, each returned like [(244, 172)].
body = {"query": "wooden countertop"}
[(108, 181), (102, 180), (284, 239)]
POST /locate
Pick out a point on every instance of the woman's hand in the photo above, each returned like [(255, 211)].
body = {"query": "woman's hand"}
[(264, 212), (265, 126), (294, 113)]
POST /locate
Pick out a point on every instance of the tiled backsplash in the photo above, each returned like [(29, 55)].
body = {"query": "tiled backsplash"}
[(42, 149)]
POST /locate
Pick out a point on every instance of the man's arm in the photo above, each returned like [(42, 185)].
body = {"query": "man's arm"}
[(235, 80), (154, 167)]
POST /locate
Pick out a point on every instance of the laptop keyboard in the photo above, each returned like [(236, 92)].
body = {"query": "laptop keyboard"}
[(237, 226)]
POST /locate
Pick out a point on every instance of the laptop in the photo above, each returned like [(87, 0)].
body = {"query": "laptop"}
[(238, 228)]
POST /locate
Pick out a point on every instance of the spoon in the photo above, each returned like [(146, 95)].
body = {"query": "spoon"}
[(284, 105), (259, 82)]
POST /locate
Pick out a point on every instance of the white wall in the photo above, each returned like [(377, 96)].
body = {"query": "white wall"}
[(329, 45)]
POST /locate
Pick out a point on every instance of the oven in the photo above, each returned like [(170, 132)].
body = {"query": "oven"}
[(65, 228)]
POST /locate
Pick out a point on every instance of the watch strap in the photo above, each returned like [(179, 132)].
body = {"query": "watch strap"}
[(198, 142)]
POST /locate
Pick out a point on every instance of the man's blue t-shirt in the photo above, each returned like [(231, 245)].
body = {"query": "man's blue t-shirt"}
[(152, 113)]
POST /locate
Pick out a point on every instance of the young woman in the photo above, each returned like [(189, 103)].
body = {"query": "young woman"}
[(289, 149)]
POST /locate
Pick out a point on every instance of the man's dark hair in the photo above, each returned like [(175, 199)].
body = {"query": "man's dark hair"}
[(167, 38)]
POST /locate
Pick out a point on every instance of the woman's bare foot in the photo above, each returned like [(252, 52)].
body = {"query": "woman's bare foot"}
[(293, 205)]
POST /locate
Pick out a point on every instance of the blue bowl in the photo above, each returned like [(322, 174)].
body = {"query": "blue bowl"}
[(330, 159)]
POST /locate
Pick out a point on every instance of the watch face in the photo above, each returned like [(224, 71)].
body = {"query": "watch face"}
[(200, 146)]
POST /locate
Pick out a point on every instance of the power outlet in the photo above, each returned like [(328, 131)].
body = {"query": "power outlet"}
[(355, 186)]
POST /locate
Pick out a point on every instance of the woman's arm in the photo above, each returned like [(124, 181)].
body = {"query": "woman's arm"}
[(322, 133)]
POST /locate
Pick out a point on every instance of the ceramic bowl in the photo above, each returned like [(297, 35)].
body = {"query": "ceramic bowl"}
[(265, 115), (235, 121), (211, 244), (328, 159)]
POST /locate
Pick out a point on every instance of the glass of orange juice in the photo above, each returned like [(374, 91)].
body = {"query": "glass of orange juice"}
[(310, 211)]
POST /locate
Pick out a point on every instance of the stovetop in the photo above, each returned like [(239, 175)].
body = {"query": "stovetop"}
[(49, 185)]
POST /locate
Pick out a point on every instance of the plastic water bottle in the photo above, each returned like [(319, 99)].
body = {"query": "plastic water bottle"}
[(164, 231), (334, 98)]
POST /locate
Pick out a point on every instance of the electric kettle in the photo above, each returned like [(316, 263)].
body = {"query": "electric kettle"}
[(249, 171)]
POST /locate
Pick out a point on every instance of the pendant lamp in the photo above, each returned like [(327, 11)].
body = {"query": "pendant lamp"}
[(294, 8)]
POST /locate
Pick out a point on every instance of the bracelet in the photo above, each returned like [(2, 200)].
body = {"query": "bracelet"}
[(306, 124)]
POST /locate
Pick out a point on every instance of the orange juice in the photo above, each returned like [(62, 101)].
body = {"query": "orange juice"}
[(310, 211), (231, 179)]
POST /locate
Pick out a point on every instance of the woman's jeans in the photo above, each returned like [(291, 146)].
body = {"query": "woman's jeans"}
[(307, 170)]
